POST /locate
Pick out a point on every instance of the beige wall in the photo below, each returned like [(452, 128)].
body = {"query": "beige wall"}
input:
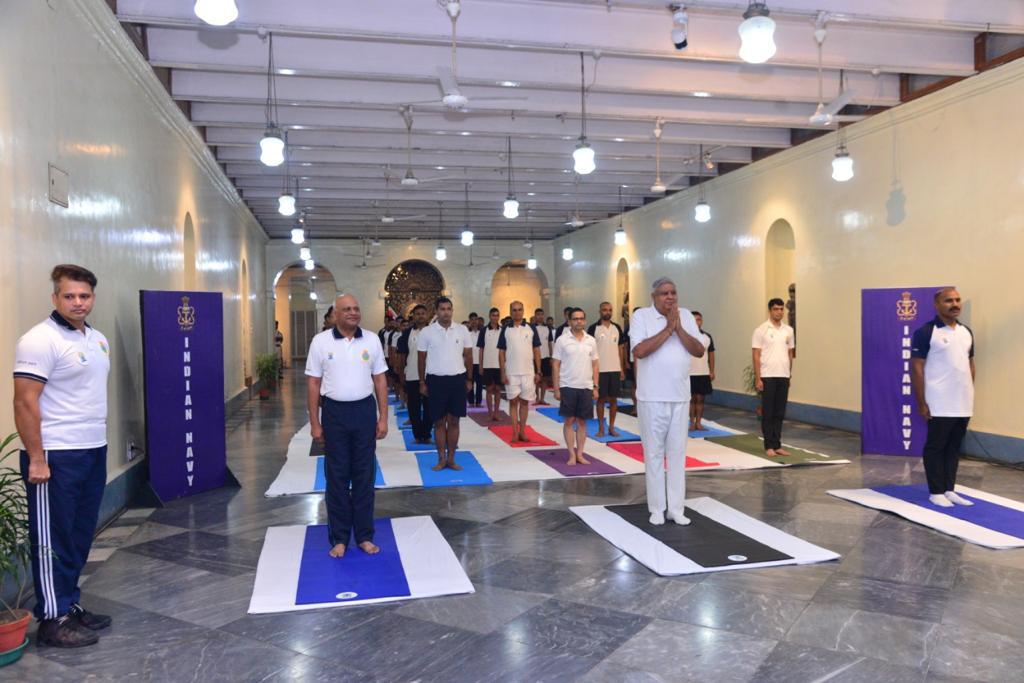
[(516, 284), (75, 93), (937, 198), (469, 286)]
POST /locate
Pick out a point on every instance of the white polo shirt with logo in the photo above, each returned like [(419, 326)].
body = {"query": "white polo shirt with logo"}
[(947, 352), (518, 343), (407, 346), (665, 374), (775, 343), (487, 342), (74, 367), (576, 358), (444, 347), (608, 339), (345, 366)]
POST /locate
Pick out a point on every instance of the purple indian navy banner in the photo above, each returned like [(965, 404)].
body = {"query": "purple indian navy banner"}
[(890, 424), (183, 342)]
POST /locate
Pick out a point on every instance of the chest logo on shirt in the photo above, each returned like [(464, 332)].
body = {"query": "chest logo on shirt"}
[(366, 356), (330, 355), (103, 348), (82, 358)]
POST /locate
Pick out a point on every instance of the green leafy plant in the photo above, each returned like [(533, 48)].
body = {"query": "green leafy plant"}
[(266, 368), (750, 380), (15, 548)]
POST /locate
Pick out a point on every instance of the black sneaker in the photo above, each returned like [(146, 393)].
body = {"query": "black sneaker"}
[(90, 620), (64, 632)]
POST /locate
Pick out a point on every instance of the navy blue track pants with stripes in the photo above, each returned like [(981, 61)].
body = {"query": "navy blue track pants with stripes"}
[(62, 516)]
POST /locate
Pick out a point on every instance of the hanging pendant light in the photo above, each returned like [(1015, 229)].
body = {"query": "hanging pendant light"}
[(510, 209), (216, 12), (583, 155), (305, 254), (567, 253), (440, 253), (842, 163), (620, 232), (702, 211), (298, 236), (658, 187), (286, 206), (309, 264), (531, 263), (466, 237), (272, 143), (313, 296), (757, 34)]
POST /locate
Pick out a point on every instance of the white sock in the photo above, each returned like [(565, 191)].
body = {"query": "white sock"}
[(952, 497), (657, 518), (680, 519), (939, 500)]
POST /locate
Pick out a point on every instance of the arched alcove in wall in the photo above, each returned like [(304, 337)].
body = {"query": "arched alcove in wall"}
[(299, 315), (409, 283), (622, 299), (779, 263), (513, 281), (188, 248)]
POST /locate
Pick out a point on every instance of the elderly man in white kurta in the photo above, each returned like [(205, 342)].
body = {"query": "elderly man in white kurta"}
[(663, 337)]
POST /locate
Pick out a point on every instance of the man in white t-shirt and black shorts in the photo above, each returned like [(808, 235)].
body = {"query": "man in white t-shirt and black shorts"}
[(702, 374), (942, 353), (487, 344), (772, 348), (611, 348), (575, 366)]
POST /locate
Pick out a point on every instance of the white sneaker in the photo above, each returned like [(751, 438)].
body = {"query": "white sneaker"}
[(680, 519), (952, 497), (939, 500), (657, 518)]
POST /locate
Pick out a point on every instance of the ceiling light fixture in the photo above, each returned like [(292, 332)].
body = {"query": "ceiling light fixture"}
[(298, 237), (313, 296), (757, 31), (466, 238), (583, 155), (620, 232), (842, 163), (272, 143), (216, 12), (680, 24), (567, 253), (305, 254), (658, 187), (309, 264), (440, 253), (408, 180), (701, 212), (701, 93), (511, 206), (452, 7)]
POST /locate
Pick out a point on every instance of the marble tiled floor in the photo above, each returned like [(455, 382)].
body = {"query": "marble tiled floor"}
[(554, 601)]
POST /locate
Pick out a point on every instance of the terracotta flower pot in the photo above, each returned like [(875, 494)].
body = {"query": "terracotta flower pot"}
[(12, 631), (264, 394)]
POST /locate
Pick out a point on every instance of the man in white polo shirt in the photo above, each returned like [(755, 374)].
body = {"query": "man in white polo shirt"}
[(419, 414), (60, 410), (546, 335), (519, 357), (574, 365), (446, 366), (942, 353), (347, 372), (772, 348), (664, 337), (487, 343), (611, 347), (702, 374)]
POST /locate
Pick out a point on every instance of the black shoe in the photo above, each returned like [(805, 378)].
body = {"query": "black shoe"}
[(93, 622), (64, 632)]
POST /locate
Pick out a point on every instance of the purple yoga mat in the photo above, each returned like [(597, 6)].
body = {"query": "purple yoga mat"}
[(484, 420), (555, 459)]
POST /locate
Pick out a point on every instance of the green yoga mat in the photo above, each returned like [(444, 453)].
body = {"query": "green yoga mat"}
[(749, 443)]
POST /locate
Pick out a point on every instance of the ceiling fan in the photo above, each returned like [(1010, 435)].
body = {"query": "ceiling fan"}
[(827, 114), (575, 221), (452, 96), (410, 179), (387, 218)]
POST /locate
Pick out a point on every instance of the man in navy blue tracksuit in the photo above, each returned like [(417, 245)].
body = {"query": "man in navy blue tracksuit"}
[(60, 409)]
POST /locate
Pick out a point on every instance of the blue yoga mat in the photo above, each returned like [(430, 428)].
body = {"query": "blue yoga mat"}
[(592, 428), (323, 578), (983, 513), (320, 483), (703, 433), (471, 474), (402, 414), (411, 445)]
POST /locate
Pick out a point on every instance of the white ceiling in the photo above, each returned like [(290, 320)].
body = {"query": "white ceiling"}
[(345, 67)]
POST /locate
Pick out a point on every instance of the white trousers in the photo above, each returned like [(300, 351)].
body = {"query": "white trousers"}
[(663, 428)]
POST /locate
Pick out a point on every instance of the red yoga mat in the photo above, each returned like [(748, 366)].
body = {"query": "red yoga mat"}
[(635, 450), (504, 432)]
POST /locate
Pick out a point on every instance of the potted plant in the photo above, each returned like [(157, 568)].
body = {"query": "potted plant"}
[(15, 556), (750, 386), (266, 370)]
